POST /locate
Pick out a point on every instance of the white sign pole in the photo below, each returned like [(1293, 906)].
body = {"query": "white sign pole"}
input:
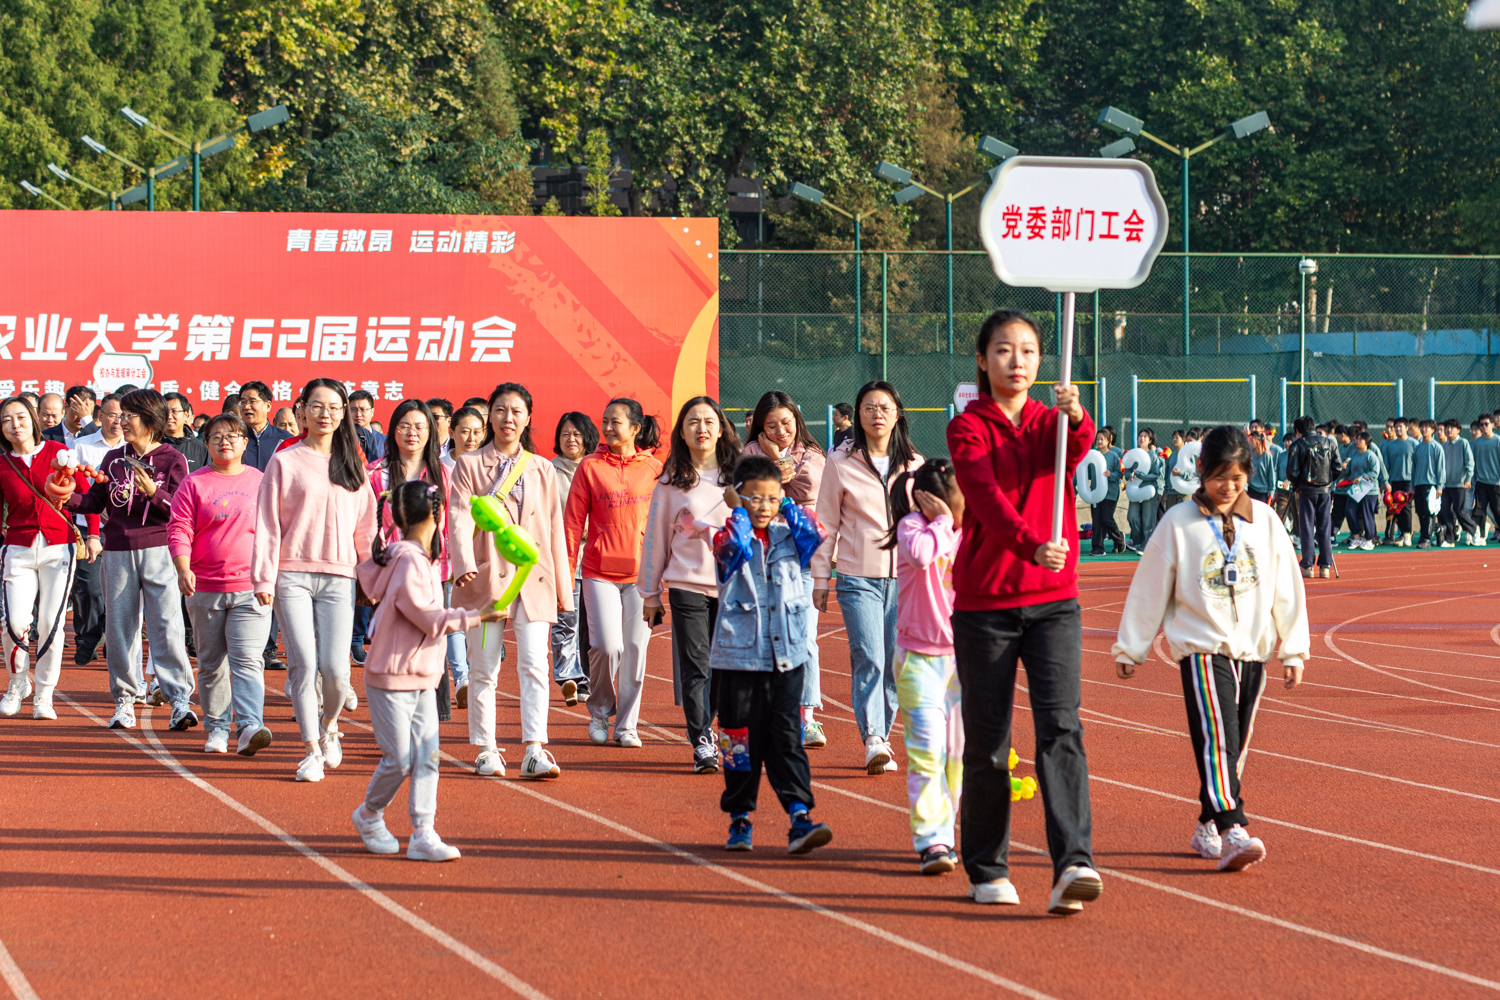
[(1064, 378)]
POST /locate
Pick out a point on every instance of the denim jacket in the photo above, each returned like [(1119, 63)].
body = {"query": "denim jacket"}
[(763, 602)]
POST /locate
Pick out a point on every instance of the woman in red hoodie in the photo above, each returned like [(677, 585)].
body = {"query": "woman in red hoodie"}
[(609, 500), (1016, 596)]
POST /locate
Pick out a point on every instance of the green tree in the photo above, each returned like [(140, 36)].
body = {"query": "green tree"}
[(599, 161)]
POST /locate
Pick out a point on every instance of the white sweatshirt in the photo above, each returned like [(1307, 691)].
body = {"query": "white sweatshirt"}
[(1177, 586)]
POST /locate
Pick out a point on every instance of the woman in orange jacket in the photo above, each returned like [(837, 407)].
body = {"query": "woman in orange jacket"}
[(609, 501)]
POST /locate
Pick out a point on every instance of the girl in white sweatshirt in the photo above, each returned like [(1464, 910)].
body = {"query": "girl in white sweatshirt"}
[(1220, 577)]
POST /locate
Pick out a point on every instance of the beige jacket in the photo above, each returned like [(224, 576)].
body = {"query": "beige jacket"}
[(853, 509), (550, 585)]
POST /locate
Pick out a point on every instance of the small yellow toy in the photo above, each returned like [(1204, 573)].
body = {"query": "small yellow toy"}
[(1020, 788)]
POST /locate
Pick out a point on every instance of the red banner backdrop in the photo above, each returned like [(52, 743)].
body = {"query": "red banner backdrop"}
[(578, 310)]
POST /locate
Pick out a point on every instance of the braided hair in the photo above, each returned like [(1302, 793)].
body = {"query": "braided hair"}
[(411, 502)]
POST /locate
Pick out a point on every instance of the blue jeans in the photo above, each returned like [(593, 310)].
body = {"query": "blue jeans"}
[(812, 680), (869, 606), (458, 647)]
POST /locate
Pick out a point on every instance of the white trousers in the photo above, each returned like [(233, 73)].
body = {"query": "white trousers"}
[(486, 643), (617, 651), (32, 571), (316, 612), (406, 730)]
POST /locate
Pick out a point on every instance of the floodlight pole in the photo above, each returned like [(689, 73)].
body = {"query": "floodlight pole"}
[(858, 219)]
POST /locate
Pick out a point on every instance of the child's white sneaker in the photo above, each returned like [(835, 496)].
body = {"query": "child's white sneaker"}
[(1240, 850), (1000, 891), (426, 845), (1078, 884), (1206, 841), (377, 839)]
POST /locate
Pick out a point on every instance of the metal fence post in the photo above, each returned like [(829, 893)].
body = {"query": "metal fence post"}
[(829, 425), (952, 412), (1252, 396), (1135, 418), (1103, 403), (1432, 399), (1282, 429), (885, 317), (1097, 391), (1401, 397)]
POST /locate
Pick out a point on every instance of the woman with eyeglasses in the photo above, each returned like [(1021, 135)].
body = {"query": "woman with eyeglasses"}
[(315, 521), (854, 507), (778, 432)]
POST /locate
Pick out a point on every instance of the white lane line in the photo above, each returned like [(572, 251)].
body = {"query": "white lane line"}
[(158, 752), (1368, 693), (1328, 638), (1427, 649), (14, 977), (1312, 932), (770, 890)]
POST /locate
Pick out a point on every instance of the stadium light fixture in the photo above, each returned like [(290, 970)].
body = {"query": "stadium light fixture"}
[(1118, 148), (113, 196), (37, 192), (816, 197), (197, 152), (147, 190)]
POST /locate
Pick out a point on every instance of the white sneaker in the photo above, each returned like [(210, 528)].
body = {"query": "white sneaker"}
[(628, 738), (376, 837), (155, 695), (1406, 540), (489, 762), (877, 756), (426, 845), (41, 705), (1240, 850), (217, 742), (1000, 891), (351, 701), (891, 765), (538, 764), (311, 768), (1367, 545), (1468, 538), (598, 730), (183, 717), (328, 744), (1206, 841), (20, 687), (124, 717), (252, 741), (1078, 884), (1445, 545)]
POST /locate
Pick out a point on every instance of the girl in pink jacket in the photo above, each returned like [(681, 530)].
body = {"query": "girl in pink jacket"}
[(403, 669), (926, 540)]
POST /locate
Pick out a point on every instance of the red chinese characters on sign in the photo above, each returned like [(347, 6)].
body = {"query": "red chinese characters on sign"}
[(1084, 225)]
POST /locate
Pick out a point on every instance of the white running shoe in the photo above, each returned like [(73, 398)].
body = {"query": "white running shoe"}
[(124, 717), (426, 845), (891, 765), (877, 756), (489, 762), (333, 753), (20, 687), (154, 694), (538, 764), (217, 742), (1078, 884), (311, 768), (183, 717), (598, 730), (1206, 841), (376, 837), (1240, 850), (1000, 891), (252, 741), (351, 701), (628, 738), (1367, 545), (41, 705)]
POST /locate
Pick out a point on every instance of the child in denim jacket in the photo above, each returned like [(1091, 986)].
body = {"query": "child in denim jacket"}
[(760, 646)]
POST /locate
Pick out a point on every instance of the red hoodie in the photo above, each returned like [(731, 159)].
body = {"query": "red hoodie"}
[(1006, 474)]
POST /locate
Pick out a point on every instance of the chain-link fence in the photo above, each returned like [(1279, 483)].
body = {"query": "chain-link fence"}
[(1375, 328)]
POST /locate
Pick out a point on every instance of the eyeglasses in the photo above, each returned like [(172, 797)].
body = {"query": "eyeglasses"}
[(870, 410), (254, 401), (219, 439), (319, 409), (760, 501)]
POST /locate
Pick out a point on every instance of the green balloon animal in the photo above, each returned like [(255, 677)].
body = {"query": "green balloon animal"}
[(511, 540)]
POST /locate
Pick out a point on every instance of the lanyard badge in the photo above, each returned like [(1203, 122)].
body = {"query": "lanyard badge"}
[(1229, 573)]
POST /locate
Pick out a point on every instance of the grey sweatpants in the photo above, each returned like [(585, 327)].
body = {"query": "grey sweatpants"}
[(406, 728), (316, 613), (229, 631), (142, 584)]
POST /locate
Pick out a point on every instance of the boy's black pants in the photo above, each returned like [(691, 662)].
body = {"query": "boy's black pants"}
[(761, 713), (1104, 525), (1486, 501), (1403, 518), (1455, 511), (693, 617), (1426, 521), (987, 646), (1222, 696)]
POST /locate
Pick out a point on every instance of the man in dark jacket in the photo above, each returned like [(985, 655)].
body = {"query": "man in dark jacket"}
[(78, 417), (1313, 466), (265, 437), (180, 434)]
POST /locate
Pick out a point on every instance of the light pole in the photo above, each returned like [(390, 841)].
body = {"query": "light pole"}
[(1305, 267), (113, 196), (135, 194), (1119, 121), (815, 196), (197, 152), (37, 192)]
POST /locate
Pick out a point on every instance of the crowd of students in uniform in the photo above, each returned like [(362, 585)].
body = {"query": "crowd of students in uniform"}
[(946, 571)]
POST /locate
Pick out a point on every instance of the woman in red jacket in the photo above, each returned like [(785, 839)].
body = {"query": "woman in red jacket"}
[(37, 560), (1016, 596)]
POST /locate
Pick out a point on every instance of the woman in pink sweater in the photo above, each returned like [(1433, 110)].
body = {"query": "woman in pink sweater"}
[(315, 519), (778, 432), (211, 538), (403, 669), (703, 452)]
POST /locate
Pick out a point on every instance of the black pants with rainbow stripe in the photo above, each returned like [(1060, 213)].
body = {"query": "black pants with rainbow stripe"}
[(1222, 696)]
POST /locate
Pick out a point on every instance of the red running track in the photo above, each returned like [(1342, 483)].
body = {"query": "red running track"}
[(139, 866)]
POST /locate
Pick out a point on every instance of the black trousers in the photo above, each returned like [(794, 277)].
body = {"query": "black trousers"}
[(760, 723), (1340, 509), (987, 645), (88, 605), (1222, 696), (1486, 501), (1315, 529), (1455, 511), (1426, 520), (693, 617), (1104, 524), (1403, 519)]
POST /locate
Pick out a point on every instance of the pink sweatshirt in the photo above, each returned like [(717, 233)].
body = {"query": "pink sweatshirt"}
[(213, 524), (924, 583), (407, 647), (306, 524), (671, 558), (388, 532)]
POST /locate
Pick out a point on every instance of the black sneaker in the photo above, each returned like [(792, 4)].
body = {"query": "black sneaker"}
[(84, 654), (805, 834), (357, 652), (274, 662), (937, 860), (705, 757)]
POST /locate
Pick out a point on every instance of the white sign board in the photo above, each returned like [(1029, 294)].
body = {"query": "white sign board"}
[(1069, 224), (114, 370), (965, 394)]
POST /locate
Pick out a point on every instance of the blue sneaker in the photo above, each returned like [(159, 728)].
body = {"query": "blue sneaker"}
[(740, 829), (805, 834)]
